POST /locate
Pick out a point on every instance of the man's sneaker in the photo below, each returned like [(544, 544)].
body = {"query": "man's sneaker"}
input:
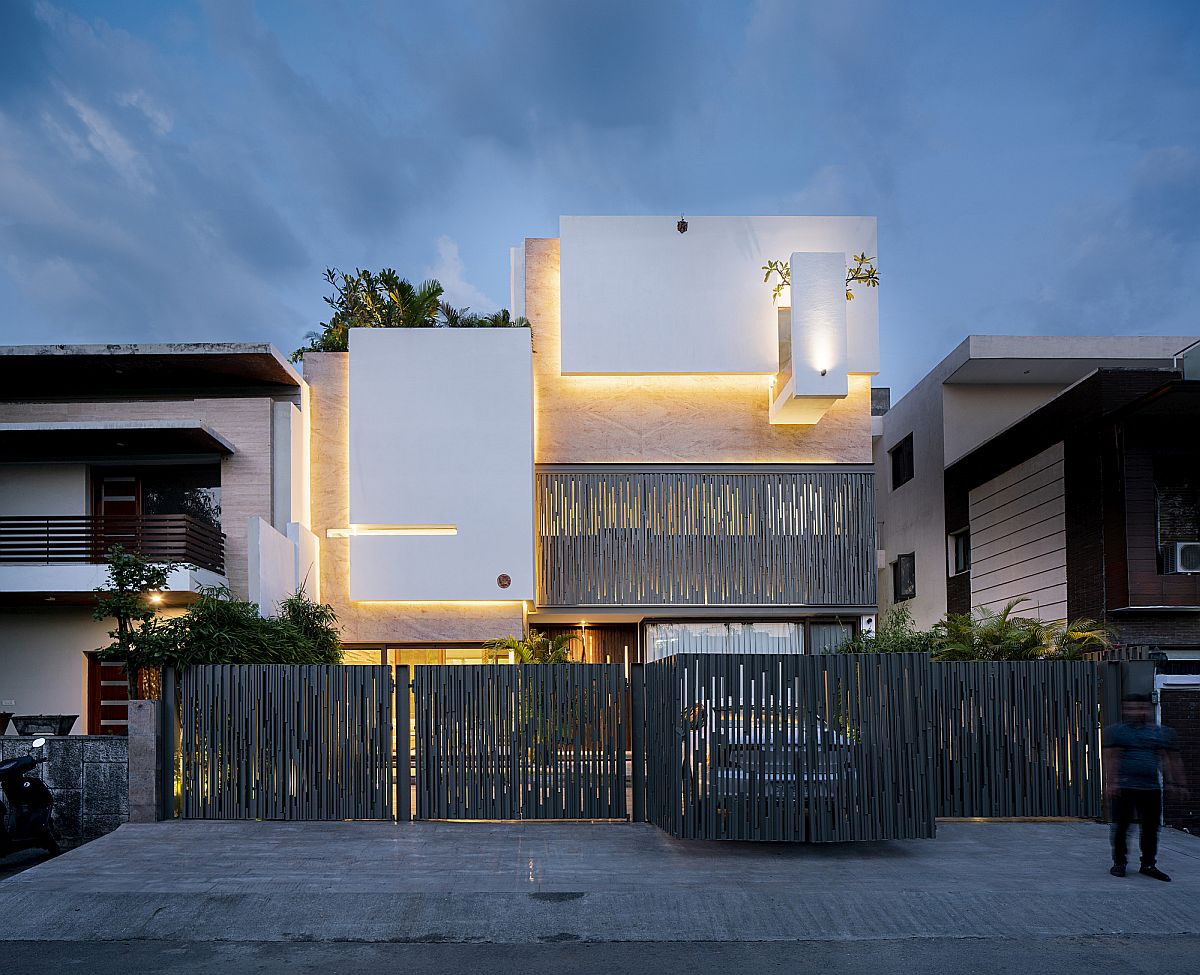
[(1117, 870), (1155, 873)]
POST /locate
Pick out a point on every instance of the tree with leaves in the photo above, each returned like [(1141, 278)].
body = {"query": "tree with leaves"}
[(537, 648), (128, 598), (366, 299), (862, 271)]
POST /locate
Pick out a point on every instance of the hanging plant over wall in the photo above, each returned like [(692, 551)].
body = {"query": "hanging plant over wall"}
[(862, 271)]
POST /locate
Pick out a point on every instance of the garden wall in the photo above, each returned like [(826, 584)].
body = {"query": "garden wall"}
[(88, 776)]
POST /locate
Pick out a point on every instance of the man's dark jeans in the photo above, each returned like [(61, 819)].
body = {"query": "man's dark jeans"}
[(1146, 804)]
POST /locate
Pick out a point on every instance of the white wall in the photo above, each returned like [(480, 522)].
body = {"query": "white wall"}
[(42, 665), (308, 560), (43, 489), (1019, 538), (441, 433), (639, 297), (289, 465), (974, 413), (272, 567)]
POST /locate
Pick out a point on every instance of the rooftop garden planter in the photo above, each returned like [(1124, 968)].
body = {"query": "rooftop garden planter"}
[(44, 724)]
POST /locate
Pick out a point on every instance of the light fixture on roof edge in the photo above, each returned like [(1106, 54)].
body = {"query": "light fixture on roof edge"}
[(681, 226)]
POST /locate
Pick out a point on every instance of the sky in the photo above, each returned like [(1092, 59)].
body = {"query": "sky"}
[(186, 171)]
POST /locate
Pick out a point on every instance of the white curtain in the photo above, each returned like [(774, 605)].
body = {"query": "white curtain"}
[(664, 639)]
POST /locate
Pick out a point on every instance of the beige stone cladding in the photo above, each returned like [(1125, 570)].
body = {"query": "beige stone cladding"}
[(245, 476), (669, 419), (328, 376)]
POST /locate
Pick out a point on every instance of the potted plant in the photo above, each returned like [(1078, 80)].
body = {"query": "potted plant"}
[(44, 724)]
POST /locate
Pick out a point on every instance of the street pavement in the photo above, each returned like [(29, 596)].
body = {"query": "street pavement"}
[(208, 896)]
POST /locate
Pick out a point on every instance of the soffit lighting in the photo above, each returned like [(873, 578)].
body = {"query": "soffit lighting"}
[(367, 530)]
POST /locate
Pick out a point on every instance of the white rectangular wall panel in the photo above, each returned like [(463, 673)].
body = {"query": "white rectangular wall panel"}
[(441, 434), (639, 297), (1019, 538)]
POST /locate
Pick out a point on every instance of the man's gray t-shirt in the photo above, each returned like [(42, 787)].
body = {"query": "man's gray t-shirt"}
[(1140, 746)]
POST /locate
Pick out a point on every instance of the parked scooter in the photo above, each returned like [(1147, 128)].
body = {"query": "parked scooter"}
[(30, 824)]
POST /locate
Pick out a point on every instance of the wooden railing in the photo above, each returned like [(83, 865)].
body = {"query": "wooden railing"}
[(55, 539)]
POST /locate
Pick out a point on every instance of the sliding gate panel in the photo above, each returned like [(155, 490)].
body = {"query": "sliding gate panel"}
[(287, 742), (1018, 738), (534, 741), (820, 748)]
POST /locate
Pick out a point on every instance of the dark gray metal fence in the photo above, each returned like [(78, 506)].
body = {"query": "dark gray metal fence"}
[(706, 538), (821, 748), (287, 742), (1017, 738), (544, 741)]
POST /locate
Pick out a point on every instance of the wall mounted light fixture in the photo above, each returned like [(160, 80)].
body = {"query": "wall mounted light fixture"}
[(681, 226)]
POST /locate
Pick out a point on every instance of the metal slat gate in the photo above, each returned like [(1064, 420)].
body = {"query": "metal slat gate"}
[(287, 742), (543, 741), (1017, 738), (823, 748)]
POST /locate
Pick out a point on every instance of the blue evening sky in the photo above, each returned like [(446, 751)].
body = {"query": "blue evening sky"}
[(185, 171)]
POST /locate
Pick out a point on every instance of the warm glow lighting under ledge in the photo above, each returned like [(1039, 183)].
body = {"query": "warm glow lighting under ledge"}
[(368, 530), (439, 602)]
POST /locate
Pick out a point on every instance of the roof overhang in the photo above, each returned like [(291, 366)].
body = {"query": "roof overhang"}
[(1056, 360), (113, 440), (52, 372)]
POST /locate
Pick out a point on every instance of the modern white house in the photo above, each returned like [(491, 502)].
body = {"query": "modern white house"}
[(1005, 537), (667, 459)]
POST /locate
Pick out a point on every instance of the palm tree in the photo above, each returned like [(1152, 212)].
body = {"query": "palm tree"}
[(537, 648), (990, 634)]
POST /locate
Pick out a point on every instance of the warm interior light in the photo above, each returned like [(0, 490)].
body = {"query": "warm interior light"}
[(391, 530), (439, 602)]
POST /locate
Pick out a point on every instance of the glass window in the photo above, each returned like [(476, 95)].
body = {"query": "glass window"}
[(904, 577), (829, 635), (902, 462), (664, 639), (959, 550)]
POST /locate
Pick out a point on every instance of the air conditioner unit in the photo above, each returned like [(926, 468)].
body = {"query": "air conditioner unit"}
[(1181, 558)]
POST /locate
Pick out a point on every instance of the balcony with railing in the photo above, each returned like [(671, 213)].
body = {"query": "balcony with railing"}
[(86, 539)]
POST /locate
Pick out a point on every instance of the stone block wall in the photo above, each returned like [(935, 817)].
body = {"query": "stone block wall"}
[(87, 775)]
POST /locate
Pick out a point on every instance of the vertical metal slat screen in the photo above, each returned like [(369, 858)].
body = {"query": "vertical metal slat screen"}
[(1018, 738), (287, 742), (536, 741), (824, 748), (707, 538)]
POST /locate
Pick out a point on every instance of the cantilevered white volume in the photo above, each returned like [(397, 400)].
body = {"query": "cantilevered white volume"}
[(441, 464)]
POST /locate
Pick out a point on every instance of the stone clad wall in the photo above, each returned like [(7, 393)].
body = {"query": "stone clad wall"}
[(88, 776)]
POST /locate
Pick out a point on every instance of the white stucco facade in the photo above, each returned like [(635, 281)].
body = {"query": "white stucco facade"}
[(638, 297), (441, 464)]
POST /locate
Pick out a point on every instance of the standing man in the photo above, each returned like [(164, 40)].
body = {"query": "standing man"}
[(1139, 756)]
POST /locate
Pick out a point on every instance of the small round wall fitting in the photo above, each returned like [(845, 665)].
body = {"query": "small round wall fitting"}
[(503, 580)]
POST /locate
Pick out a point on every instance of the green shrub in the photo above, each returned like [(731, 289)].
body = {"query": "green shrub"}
[(220, 629)]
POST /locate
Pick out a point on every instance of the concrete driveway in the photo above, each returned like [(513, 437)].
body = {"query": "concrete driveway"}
[(553, 883)]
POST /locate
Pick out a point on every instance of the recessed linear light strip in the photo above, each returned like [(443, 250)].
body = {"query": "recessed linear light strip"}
[(355, 530)]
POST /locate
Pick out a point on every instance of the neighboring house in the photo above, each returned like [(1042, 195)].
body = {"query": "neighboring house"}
[(195, 454), (1060, 470), (665, 461)]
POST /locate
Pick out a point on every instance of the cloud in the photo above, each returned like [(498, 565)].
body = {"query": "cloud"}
[(449, 271)]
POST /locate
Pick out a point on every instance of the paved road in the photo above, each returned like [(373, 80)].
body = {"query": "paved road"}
[(1063, 956), (556, 883)]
